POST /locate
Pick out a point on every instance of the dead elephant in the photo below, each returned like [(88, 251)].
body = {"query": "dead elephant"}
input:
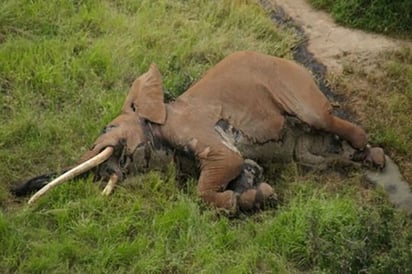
[(249, 105)]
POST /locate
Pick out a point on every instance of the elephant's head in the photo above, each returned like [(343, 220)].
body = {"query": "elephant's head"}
[(129, 132)]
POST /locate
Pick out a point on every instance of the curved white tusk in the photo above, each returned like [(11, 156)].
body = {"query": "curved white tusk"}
[(110, 185), (83, 167)]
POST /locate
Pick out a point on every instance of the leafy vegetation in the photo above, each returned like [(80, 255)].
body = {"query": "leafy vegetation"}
[(391, 17), (64, 71)]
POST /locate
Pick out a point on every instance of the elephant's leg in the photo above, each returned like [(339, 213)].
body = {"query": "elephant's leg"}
[(357, 138), (217, 169), (265, 193), (305, 157), (249, 177), (315, 151), (256, 197), (374, 156), (348, 131), (248, 185)]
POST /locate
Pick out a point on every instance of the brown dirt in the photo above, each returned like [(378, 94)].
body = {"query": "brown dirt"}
[(332, 44)]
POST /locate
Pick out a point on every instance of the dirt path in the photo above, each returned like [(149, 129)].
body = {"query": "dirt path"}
[(331, 43)]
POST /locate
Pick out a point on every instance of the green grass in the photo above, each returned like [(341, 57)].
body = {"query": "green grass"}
[(65, 68), (159, 229), (390, 17), (396, 101)]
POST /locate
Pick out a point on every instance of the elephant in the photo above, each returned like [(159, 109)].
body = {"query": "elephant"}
[(249, 108)]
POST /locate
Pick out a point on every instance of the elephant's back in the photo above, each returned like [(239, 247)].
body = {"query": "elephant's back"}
[(255, 91), (295, 90)]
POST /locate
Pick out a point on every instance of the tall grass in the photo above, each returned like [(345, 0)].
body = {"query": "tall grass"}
[(65, 67)]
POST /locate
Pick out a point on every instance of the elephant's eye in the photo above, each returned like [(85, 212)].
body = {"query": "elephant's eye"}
[(133, 106)]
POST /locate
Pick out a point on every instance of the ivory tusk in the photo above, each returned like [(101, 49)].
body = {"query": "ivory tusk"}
[(83, 167), (110, 185)]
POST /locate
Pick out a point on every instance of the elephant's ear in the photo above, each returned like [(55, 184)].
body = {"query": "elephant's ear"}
[(146, 97)]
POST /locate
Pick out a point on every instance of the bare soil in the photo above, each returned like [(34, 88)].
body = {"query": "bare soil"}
[(330, 43)]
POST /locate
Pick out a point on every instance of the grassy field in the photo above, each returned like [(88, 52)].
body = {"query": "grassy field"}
[(65, 68), (381, 95)]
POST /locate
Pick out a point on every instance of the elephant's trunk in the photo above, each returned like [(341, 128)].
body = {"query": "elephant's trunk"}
[(76, 171)]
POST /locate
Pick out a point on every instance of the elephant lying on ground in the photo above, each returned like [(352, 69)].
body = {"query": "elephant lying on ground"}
[(250, 105)]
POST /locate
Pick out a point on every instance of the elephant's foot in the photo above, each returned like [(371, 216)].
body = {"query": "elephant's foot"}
[(251, 192), (374, 156), (265, 194), (256, 198), (225, 201), (247, 199)]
